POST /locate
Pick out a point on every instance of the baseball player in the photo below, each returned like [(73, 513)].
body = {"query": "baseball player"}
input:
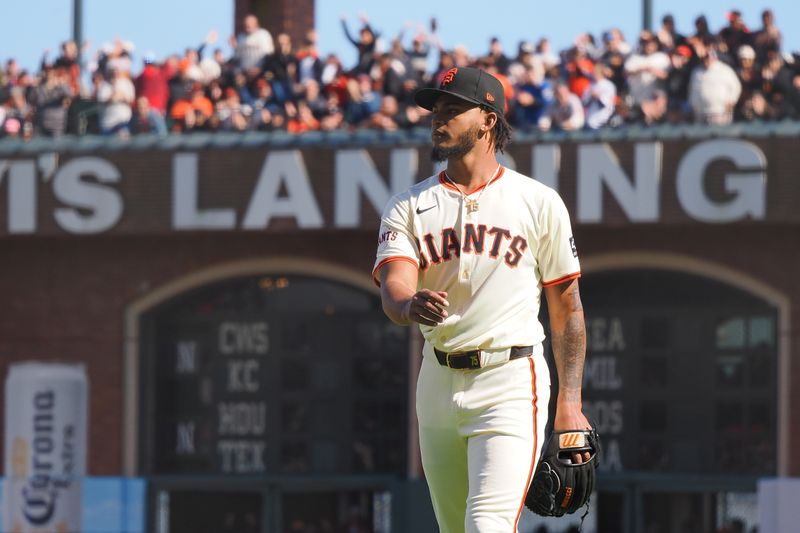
[(466, 254)]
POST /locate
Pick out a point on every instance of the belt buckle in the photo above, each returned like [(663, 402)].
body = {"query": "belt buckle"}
[(475, 360)]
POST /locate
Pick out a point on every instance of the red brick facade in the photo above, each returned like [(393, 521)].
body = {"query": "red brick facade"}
[(66, 295)]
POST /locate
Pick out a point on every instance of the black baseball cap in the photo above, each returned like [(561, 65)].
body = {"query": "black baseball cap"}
[(467, 83)]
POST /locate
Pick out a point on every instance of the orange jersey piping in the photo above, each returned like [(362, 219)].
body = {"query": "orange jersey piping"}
[(497, 176), (389, 260), (535, 442), (562, 279)]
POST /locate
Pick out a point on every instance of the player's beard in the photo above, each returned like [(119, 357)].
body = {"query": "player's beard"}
[(464, 144)]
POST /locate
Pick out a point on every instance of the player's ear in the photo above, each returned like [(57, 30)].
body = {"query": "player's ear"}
[(489, 120)]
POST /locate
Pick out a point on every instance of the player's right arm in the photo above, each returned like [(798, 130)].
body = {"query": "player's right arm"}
[(401, 300)]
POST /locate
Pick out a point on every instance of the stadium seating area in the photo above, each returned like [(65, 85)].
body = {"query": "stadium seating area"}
[(707, 77)]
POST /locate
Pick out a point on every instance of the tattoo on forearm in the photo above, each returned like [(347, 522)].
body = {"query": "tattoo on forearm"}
[(569, 349)]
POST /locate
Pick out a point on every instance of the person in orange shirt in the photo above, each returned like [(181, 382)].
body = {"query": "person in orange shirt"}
[(193, 106), (302, 119), (579, 69), (508, 87)]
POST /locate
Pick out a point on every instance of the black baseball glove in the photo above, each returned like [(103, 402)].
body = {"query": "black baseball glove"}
[(560, 486)]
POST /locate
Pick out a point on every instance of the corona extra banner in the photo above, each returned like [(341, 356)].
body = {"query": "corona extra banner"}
[(45, 447)]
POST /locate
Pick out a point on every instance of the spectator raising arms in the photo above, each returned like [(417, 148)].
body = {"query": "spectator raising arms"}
[(116, 96), (709, 75), (365, 45)]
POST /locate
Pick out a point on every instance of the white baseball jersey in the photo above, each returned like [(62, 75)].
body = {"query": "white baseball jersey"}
[(492, 262)]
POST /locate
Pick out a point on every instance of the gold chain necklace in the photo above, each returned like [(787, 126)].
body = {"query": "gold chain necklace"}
[(472, 205)]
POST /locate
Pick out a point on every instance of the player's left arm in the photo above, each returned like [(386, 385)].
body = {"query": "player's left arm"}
[(568, 337)]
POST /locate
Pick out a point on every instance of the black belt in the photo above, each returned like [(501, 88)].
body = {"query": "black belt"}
[(472, 359)]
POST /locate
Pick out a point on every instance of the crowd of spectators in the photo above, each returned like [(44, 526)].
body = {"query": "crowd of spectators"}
[(267, 84)]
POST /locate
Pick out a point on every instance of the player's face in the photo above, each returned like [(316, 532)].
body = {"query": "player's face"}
[(455, 127)]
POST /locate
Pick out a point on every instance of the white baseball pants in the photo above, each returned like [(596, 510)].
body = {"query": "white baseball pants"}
[(481, 432)]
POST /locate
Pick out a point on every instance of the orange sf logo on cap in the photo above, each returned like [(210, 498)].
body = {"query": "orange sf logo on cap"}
[(448, 77), (489, 97)]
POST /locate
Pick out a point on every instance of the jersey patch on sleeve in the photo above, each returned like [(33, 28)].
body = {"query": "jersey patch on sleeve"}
[(573, 247), (386, 236)]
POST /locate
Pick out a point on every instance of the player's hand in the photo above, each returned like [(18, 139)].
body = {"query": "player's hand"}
[(569, 416), (428, 307)]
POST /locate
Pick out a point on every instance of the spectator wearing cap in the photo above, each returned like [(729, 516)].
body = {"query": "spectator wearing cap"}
[(153, 83), (600, 99), (682, 63), (252, 45), (116, 97), (646, 70), (768, 37), (701, 30), (565, 113), (714, 89), (668, 36), (748, 71), (614, 56), (736, 33)]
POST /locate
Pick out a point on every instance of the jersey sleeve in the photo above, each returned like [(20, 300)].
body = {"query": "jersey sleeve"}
[(558, 255), (396, 241)]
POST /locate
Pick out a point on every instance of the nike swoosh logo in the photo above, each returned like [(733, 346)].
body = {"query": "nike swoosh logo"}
[(420, 211)]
